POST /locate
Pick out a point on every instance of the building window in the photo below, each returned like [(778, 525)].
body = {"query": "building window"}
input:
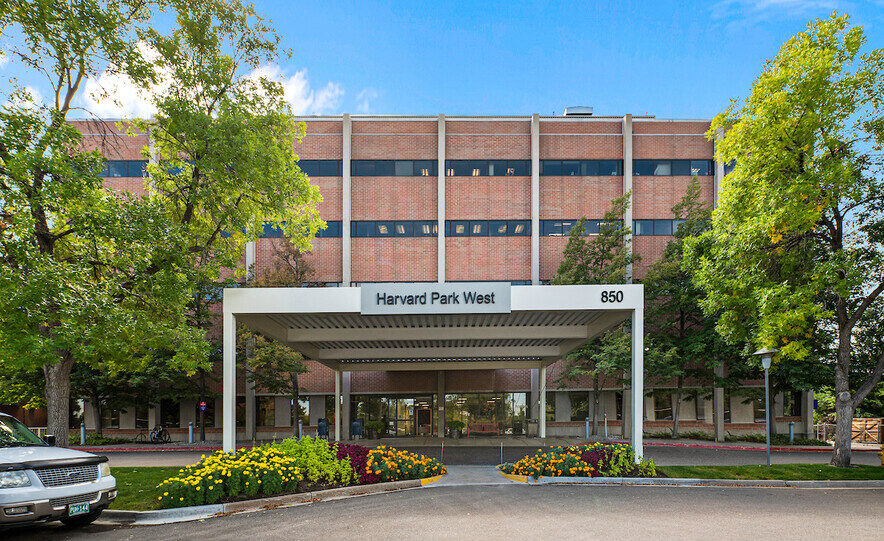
[(569, 168), (562, 228), (700, 405), (758, 411), (792, 403), (664, 168), (110, 418), (332, 230), (618, 400), (389, 228), (142, 417), (662, 404), (265, 411), (655, 227), (170, 413), (580, 405), (487, 168), (124, 168), (550, 406), (485, 228), (729, 166), (393, 168)]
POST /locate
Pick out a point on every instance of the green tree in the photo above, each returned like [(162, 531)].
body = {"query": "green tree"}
[(604, 258), (796, 242), (682, 341), (87, 276), (271, 365)]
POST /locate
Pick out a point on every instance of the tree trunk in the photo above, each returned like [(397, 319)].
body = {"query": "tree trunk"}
[(676, 410), (296, 409), (843, 418), (58, 395)]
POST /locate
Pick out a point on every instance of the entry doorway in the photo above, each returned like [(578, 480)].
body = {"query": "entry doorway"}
[(403, 415)]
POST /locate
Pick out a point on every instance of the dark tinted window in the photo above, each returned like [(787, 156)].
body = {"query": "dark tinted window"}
[(701, 167), (389, 228), (681, 168), (518, 168), (589, 168), (497, 228), (426, 228), (309, 167), (332, 230), (643, 227), (556, 228), (424, 168), (404, 229), (137, 168), (117, 169), (478, 228), (591, 227), (404, 168), (457, 228), (518, 228), (497, 168), (484, 228), (643, 167), (550, 167), (362, 229), (570, 167), (611, 168), (384, 229), (478, 168), (550, 228), (662, 227), (728, 167), (458, 168), (330, 168)]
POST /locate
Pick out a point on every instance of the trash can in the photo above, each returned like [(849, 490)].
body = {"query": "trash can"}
[(322, 428), (356, 429)]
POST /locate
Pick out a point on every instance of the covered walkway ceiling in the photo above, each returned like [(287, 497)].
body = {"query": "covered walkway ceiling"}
[(434, 326)]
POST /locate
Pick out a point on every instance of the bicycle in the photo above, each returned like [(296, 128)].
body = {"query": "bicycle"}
[(160, 435)]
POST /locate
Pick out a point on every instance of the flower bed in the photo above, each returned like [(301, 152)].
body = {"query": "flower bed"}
[(593, 460), (290, 466), (391, 464)]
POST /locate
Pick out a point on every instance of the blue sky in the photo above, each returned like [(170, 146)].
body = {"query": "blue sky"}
[(669, 59)]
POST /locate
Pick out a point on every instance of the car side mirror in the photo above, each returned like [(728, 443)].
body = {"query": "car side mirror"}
[(49, 439)]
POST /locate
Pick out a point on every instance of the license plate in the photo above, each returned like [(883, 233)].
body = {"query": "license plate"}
[(78, 509)]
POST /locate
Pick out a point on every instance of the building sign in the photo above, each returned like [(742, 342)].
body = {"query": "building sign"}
[(434, 298)]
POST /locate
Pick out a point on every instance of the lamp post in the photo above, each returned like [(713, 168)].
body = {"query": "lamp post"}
[(766, 355)]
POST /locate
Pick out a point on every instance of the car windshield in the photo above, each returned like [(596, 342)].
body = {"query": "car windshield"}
[(14, 434)]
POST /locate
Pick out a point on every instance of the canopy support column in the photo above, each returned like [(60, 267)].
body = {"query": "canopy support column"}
[(541, 415), (228, 409), (638, 372), (337, 405)]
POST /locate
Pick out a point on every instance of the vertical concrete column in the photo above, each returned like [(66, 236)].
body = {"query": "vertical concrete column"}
[(337, 405), (807, 413), (534, 396), (440, 403), (345, 406), (638, 377), (541, 420), (535, 199), (228, 385), (718, 406), (719, 168), (346, 192), (251, 430), (440, 201), (251, 258), (627, 184)]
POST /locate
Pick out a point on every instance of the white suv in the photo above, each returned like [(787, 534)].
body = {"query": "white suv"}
[(39, 482)]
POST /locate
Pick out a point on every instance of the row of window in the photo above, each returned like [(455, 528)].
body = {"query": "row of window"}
[(474, 228), (124, 168), (504, 168)]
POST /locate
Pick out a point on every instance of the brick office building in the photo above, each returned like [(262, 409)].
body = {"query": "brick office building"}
[(460, 199)]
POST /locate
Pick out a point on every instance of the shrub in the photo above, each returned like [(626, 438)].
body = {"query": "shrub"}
[(96, 439), (455, 425), (317, 460), (219, 476), (775, 439), (593, 460), (391, 464), (358, 457)]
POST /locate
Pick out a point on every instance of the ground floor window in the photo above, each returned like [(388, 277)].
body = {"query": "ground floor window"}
[(700, 404), (265, 411), (142, 419), (304, 410), (402, 415), (580, 404), (170, 413), (110, 418), (792, 403), (75, 413), (508, 410), (240, 411), (618, 400), (550, 406), (662, 404), (330, 410)]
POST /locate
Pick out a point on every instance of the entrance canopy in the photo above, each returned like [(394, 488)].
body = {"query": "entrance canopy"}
[(434, 326)]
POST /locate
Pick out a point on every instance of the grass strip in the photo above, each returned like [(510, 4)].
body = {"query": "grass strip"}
[(785, 472), (137, 487)]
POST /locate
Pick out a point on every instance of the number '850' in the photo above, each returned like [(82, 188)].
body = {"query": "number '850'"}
[(612, 296)]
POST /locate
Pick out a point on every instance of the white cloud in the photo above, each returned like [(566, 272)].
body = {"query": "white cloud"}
[(4, 59), (27, 98), (754, 11), (114, 95), (298, 92), (364, 99)]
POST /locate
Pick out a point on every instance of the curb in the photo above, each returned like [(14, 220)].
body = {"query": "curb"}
[(789, 449), (688, 482), (199, 512)]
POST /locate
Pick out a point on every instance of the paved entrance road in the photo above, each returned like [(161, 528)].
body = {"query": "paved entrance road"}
[(663, 456), (518, 511)]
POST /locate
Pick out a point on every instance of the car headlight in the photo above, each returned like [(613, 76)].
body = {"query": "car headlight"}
[(14, 479), (104, 469)]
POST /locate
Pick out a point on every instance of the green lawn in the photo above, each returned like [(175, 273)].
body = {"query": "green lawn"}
[(136, 487), (787, 472)]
